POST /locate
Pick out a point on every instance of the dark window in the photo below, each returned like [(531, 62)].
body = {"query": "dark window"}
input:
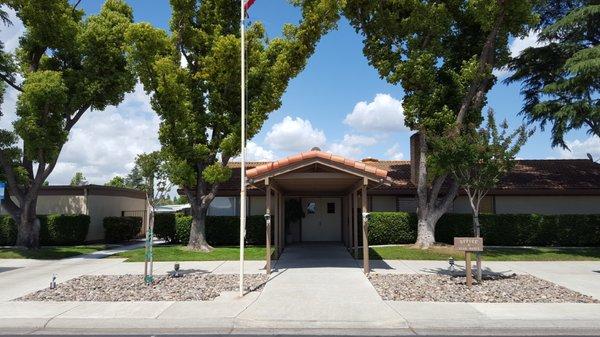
[(331, 207)]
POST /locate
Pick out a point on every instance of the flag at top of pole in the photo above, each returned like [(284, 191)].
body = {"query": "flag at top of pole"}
[(244, 6)]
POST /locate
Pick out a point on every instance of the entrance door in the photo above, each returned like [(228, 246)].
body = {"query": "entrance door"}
[(323, 220)]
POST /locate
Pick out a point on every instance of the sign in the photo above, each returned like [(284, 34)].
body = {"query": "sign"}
[(469, 244), (2, 187)]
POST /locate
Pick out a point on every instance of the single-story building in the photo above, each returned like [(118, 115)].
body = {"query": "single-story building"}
[(97, 201), (334, 190)]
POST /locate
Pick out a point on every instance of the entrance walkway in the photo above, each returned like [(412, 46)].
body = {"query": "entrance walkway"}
[(319, 284)]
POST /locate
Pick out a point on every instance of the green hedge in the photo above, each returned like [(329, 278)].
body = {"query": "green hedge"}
[(496, 229), (119, 229), (164, 226), (223, 230), (60, 229), (55, 229)]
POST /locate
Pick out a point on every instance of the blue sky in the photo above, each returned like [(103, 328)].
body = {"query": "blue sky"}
[(321, 107)]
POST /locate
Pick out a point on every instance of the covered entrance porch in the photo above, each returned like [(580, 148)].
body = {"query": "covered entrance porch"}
[(332, 193)]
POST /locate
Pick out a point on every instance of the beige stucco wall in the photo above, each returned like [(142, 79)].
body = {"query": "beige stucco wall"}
[(58, 204), (101, 206), (548, 204), (383, 203), (256, 205)]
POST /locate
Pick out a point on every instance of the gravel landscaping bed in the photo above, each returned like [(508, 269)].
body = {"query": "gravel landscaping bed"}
[(116, 288), (494, 289)]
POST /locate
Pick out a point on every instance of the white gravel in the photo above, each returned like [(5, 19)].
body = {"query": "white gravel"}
[(117, 288), (494, 289)]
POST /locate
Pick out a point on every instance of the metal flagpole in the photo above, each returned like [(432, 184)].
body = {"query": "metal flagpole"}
[(243, 154)]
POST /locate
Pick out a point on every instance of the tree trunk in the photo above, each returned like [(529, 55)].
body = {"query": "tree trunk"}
[(477, 233), (198, 230), (426, 233), (28, 234)]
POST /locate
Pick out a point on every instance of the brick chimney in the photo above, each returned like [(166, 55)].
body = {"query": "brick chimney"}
[(414, 157)]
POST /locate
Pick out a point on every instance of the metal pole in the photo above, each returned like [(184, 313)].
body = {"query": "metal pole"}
[(243, 154)]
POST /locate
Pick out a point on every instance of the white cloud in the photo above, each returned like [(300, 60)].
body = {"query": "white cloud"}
[(105, 143), (394, 152), (294, 134), (517, 46), (580, 148), (352, 146), (10, 35), (255, 152), (384, 113)]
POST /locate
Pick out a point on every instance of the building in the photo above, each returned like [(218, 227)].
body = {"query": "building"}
[(97, 201), (334, 190)]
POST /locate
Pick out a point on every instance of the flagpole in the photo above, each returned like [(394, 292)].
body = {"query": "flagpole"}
[(243, 154)]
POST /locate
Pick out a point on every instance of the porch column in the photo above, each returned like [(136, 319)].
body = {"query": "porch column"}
[(365, 230), (276, 226), (268, 228), (354, 224), (282, 226)]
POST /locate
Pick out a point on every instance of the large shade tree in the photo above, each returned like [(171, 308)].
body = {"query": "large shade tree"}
[(193, 77), (442, 53), (561, 77), (68, 65)]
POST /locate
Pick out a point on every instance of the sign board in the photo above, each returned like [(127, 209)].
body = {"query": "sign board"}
[(2, 187), (469, 244)]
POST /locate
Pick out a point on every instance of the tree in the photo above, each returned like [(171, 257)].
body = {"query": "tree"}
[(134, 179), (193, 77), (69, 64), (561, 79), (78, 179), (116, 181), (443, 54), (151, 168)]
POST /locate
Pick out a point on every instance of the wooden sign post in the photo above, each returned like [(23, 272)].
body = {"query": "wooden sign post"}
[(468, 245)]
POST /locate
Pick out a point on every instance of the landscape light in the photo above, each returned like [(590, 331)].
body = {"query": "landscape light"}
[(53, 282)]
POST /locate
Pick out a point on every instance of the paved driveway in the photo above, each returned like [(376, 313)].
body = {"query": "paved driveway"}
[(320, 283)]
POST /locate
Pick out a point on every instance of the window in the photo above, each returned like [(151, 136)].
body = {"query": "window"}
[(331, 207), (311, 208), (223, 206)]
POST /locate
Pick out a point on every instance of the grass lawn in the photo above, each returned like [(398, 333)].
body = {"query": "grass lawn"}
[(407, 252), (182, 253), (49, 252)]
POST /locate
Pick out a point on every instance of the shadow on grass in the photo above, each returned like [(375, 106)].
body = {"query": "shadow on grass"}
[(542, 253)]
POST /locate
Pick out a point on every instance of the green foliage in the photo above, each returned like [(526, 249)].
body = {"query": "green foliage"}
[(497, 229), (56, 229), (224, 230), (8, 231), (198, 100), (119, 229), (560, 78), (164, 226), (293, 211), (78, 179), (116, 181), (63, 230), (69, 62), (387, 227)]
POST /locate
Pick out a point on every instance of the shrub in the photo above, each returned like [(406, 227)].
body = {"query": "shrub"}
[(164, 226), (119, 229), (223, 230), (397, 227), (61, 229), (8, 231)]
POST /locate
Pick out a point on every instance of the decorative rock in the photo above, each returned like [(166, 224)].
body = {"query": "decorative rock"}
[(494, 289), (118, 288)]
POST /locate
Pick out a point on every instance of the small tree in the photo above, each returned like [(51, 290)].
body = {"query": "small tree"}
[(78, 179), (116, 181), (478, 159)]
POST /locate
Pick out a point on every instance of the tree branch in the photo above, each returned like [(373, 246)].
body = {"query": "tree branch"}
[(10, 176), (72, 120), (10, 82)]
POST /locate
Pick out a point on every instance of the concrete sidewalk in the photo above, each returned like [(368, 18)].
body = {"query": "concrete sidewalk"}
[(313, 288)]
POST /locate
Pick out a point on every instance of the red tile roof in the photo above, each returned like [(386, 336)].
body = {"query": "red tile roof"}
[(553, 176), (316, 154)]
